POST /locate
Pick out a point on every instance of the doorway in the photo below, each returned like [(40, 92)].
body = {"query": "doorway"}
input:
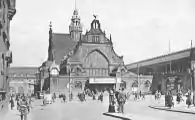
[(159, 87)]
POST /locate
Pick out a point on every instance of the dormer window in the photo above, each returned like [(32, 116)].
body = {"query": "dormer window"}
[(96, 39)]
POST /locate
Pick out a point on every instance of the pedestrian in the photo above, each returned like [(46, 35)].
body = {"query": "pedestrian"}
[(64, 98), (23, 109), (189, 100), (178, 98), (12, 103), (170, 100), (143, 96), (111, 107), (122, 100), (140, 94)]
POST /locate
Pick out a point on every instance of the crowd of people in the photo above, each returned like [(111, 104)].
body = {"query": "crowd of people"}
[(169, 100), (23, 104), (138, 95)]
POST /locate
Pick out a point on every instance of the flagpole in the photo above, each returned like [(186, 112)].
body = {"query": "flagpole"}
[(138, 76), (192, 69)]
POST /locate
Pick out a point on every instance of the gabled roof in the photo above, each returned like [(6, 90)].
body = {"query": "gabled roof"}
[(163, 58), (62, 45)]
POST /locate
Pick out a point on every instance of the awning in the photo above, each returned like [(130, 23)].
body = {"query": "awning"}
[(104, 80)]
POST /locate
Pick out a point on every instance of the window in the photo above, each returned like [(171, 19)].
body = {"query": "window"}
[(95, 39)]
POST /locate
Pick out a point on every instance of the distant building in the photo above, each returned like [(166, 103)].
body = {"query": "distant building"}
[(7, 11), (84, 60), (22, 79)]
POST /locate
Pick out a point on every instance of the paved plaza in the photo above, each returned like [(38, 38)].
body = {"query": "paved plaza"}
[(93, 110)]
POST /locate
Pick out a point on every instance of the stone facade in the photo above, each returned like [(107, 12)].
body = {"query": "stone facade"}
[(7, 11), (84, 60), (173, 71)]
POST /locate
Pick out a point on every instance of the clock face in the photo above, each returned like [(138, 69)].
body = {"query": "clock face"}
[(54, 72)]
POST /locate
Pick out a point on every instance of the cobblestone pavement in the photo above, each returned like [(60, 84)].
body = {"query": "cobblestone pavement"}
[(93, 110)]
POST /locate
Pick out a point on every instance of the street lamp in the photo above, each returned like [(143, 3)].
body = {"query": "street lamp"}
[(69, 89)]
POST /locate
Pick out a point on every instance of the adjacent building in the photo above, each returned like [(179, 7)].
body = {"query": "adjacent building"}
[(174, 71), (22, 80), (7, 11)]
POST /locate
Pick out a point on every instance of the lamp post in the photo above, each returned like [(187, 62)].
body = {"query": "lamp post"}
[(69, 81)]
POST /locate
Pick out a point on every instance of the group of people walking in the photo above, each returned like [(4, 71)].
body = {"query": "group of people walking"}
[(23, 104), (139, 95), (117, 99), (169, 101)]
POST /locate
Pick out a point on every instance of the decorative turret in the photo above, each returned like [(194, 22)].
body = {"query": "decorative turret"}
[(75, 27), (111, 39), (95, 23)]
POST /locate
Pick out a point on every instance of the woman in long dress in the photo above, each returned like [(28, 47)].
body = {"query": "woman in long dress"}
[(189, 100)]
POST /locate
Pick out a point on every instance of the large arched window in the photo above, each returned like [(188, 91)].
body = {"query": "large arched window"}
[(147, 83), (20, 90), (135, 84)]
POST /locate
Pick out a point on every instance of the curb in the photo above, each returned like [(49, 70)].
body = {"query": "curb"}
[(180, 111), (117, 116)]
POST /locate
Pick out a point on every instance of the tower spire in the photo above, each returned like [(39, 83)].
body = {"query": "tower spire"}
[(75, 4), (75, 28), (50, 27)]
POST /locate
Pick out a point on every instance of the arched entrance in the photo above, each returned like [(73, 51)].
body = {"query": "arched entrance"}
[(147, 85), (135, 86), (20, 90)]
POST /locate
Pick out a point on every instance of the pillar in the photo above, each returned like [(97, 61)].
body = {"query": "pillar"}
[(83, 85), (118, 80)]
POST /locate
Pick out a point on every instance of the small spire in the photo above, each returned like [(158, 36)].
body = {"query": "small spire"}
[(110, 37), (191, 44), (50, 27)]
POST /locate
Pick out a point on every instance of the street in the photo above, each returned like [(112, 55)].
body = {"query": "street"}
[(93, 110)]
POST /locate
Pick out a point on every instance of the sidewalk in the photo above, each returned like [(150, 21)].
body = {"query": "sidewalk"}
[(182, 107)]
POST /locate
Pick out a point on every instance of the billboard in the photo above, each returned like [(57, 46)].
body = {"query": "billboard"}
[(104, 80)]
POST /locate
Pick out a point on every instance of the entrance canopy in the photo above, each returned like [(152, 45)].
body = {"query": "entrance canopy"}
[(104, 80)]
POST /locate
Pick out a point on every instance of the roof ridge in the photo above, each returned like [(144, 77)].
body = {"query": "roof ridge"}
[(23, 67), (61, 33), (163, 55)]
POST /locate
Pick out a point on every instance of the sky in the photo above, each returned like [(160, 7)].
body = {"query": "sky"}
[(140, 29)]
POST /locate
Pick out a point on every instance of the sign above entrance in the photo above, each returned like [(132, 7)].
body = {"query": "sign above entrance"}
[(104, 80)]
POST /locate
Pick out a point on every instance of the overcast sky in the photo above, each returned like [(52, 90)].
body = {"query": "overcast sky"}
[(140, 29)]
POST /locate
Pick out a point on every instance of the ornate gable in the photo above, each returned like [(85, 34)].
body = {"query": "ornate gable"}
[(94, 50)]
